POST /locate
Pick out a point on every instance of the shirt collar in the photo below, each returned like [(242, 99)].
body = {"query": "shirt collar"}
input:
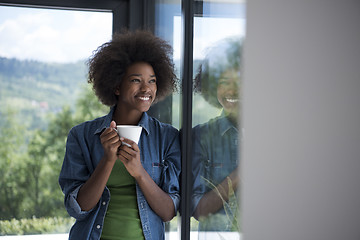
[(106, 122), (144, 122), (225, 124)]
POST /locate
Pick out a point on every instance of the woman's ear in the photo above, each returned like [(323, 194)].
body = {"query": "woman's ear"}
[(117, 91)]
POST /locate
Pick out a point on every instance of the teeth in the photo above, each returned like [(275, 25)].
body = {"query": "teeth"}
[(232, 100), (145, 98)]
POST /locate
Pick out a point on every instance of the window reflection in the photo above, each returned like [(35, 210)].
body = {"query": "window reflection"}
[(215, 153), (219, 33)]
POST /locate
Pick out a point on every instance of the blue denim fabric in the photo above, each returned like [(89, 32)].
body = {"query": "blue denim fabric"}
[(215, 156), (160, 155)]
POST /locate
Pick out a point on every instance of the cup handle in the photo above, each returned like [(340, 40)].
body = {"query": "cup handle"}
[(122, 143)]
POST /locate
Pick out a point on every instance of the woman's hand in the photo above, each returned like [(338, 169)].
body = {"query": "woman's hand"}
[(159, 201), (91, 191), (211, 201), (111, 142), (130, 157)]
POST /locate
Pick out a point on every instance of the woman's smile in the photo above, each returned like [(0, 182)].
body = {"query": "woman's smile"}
[(232, 100), (144, 98)]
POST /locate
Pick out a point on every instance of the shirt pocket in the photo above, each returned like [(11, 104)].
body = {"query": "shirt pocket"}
[(214, 172), (158, 171)]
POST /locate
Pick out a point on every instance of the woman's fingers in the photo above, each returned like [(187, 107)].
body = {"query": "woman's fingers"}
[(113, 124), (110, 142), (127, 152), (129, 143)]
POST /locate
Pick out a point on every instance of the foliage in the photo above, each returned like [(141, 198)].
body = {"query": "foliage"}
[(12, 167), (87, 106), (231, 207), (31, 159), (36, 88), (35, 226)]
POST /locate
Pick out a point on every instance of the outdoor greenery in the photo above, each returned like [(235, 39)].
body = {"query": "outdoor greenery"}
[(34, 88), (35, 226), (30, 163), (33, 138), (31, 160)]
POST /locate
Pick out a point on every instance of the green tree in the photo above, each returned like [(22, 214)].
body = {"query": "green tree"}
[(12, 151), (30, 161), (35, 164), (88, 107)]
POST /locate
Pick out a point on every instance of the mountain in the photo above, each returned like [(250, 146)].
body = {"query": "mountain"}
[(37, 88)]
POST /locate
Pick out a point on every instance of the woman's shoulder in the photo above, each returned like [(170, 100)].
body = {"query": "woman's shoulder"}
[(161, 126), (213, 123)]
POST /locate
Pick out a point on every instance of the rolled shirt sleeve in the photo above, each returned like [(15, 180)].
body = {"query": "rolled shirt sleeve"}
[(74, 173), (171, 168)]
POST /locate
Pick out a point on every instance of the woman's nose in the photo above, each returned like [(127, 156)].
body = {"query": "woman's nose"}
[(232, 87), (144, 87)]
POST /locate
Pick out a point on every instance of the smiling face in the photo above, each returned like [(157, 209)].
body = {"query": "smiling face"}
[(137, 89), (228, 91)]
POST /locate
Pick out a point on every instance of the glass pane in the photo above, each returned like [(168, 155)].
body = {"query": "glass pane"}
[(166, 13), (219, 31), (43, 93)]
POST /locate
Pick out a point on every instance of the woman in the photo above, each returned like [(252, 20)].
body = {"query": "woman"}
[(215, 151), (112, 190)]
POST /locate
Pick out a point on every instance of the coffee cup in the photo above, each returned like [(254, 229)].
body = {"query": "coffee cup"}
[(129, 131)]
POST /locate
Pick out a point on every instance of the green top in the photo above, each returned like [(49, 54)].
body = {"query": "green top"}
[(122, 220)]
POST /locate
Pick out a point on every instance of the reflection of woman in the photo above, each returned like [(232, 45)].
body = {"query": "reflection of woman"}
[(215, 156), (112, 190)]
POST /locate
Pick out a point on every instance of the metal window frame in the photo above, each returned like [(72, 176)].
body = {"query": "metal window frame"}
[(187, 9)]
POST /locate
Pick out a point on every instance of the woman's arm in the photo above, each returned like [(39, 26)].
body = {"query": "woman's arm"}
[(211, 202), (159, 201), (91, 191)]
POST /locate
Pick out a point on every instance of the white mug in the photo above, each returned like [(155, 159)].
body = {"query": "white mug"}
[(129, 131)]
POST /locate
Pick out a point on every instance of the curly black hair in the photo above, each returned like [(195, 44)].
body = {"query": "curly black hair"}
[(224, 55), (109, 63)]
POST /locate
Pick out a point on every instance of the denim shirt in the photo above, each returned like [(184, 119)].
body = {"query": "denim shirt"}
[(215, 156), (160, 156)]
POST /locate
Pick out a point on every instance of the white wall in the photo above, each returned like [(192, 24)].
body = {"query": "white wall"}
[(301, 114)]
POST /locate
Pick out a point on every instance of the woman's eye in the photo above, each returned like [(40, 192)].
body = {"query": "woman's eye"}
[(135, 80), (152, 81)]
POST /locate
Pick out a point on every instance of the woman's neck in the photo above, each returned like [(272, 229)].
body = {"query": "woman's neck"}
[(233, 118), (123, 117)]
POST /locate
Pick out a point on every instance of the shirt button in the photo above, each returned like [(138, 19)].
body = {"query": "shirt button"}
[(104, 203), (98, 226)]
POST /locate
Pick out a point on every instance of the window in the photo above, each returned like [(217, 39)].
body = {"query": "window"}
[(204, 29), (43, 94), (219, 30)]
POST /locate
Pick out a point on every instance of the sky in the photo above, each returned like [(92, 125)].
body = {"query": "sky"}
[(52, 35), (69, 36), (207, 32)]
